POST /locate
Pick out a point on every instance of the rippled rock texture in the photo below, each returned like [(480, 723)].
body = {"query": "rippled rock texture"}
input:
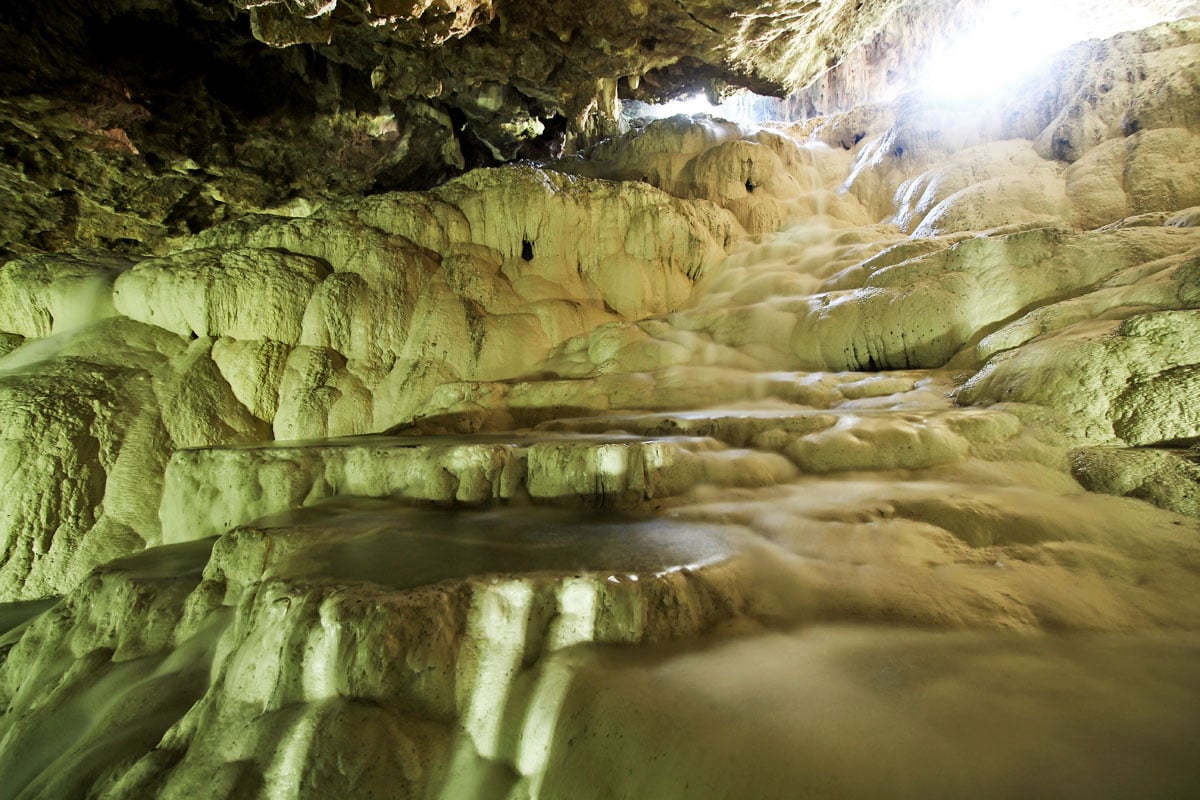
[(851, 457)]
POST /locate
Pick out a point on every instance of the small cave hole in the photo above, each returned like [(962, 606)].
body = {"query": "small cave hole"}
[(899, 151), (526, 250), (751, 186)]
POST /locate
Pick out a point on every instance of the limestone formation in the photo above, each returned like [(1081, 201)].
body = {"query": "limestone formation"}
[(293, 665), (848, 456), (329, 325)]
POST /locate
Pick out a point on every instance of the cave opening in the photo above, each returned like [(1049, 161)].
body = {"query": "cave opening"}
[(423, 401)]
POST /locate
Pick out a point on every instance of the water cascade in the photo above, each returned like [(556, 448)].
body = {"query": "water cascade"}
[(850, 457)]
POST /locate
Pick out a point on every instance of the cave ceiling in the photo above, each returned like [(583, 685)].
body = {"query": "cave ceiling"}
[(556, 55), (335, 466), (511, 72), (127, 122)]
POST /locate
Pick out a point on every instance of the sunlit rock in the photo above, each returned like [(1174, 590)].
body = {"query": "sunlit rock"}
[(208, 491), (349, 647), (1113, 88), (1166, 284), (980, 188), (303, 328), (894, 311), (366, 465), (104, 407), (46, 295), (762, 177), (247, 294), (478, 279), (1149, 171), (1095, 96), (1127, 381)]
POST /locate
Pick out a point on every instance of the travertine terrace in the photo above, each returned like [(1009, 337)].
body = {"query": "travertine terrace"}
[(388, 415)]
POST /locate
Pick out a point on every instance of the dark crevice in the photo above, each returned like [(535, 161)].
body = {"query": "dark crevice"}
[(1187, 443), (475, 152), (694, 18), (158, 58), (549, 144)]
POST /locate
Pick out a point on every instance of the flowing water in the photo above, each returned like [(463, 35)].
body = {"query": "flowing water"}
[(753, 577)]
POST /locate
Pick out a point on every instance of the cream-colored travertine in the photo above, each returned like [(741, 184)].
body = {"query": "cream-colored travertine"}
[(852, 458)]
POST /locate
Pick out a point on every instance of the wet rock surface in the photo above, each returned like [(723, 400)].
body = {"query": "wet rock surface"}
[(841, 445)]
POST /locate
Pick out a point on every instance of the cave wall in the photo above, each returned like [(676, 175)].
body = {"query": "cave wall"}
[(357, 468), (374, 311)]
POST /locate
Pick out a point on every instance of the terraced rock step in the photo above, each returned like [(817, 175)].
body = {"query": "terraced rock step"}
[(210, 490), (828, 439), (715, 462), (614, 461), (735, 427), (316, 625)]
